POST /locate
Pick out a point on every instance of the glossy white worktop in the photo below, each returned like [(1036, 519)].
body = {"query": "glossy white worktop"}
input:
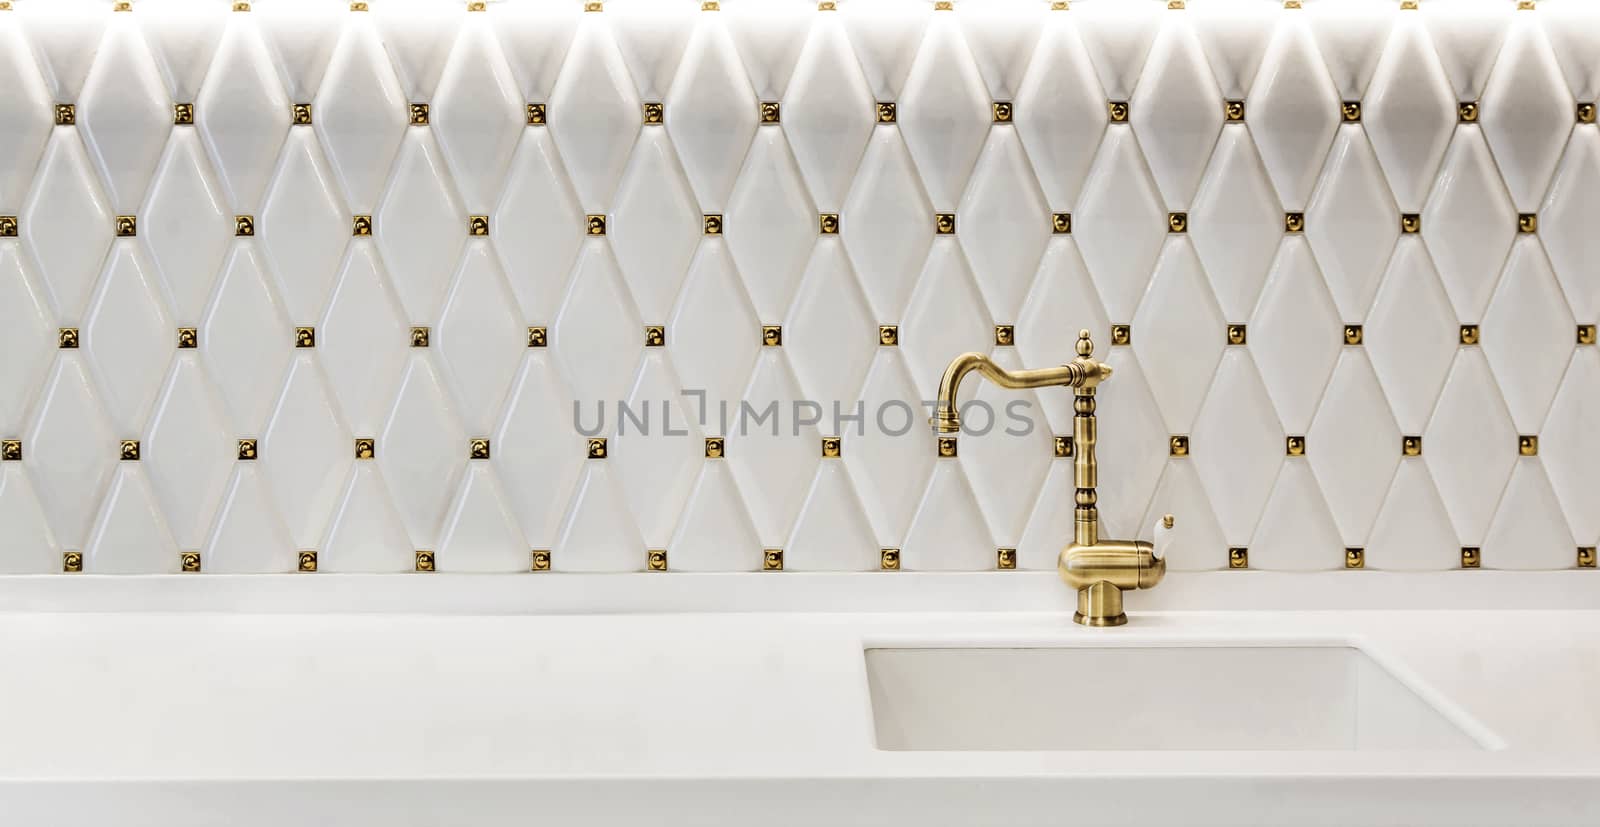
[(199, 715)]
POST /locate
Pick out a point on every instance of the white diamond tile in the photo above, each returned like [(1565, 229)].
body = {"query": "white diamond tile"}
[(1238, 446), (1233, 223), (26, 336), (301, 37), (1467, 37), (598, 335), (535, 38), (1176, 111), (420, 226), (422, 445), (479, 337), (1470, 446), (29, 547), (247, 340), (711, 114), (1528, 531), (367, 533), (944, 111), (541, 226), (1118, 37), (713, 335), (1565, 220), (1186, 334), (1293, 334), (652, 37), (1050, 525), (657, 449), (1529, 334), (71, 450), (1411, 335), (66, 224), (1132, 447), (1574, 33), (655, 224), (1526, 114), (306, 452), (885, 36), (477, 114), (417, 37), (1354, 446), (481, 534), (887, 223), (1120, 223), (25, 107), (831, 319), (1296, 532), (537, 449), (360, 113), (1195, 542), (948, 532), (598, 534), (249, 535), (130, 536), (186, 226), (1351, 36), (832, 532), (771, 224), (715, 532), (1001, 36), (770, 37), (1468, 223), (1352, 223), (1409, 112), (189, 451), (1293, 111), (1006, 448), (124, 114), (596, 113), (361, 341), (65, 44), (773, 460), (945, 317), (304, 227), (1004, 223), (892, 458), (1060, 112), (127, 338), (1235, 37), (1413, 530), (828, 112), (243, 114), (1062, 302), (1570, 445)]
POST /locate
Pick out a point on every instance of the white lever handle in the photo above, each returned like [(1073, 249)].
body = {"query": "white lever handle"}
[(1162, 531)]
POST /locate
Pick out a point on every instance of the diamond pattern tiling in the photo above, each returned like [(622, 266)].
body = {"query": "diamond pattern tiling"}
[(1564, 217), (1234, 217), (1179, 114), (1527, 115), (1532, 342), (1293, 111), (654, 226), (944, 104), (1060, 112), (478, 115), (1470, 446), (1469, 223), (711, 113), (1005, 230), (243, 114), (1288, 335), (1410, 334), (186, 226), (1570, 445), (543, 223), (1179, 361), (535, 121)]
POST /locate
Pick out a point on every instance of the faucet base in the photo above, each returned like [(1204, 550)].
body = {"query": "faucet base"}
[(1097, 622), (1100, 604)]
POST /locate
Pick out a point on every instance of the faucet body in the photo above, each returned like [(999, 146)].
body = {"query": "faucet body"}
[(1101, 570)]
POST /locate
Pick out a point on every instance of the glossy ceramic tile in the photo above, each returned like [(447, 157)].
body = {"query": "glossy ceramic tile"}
[(474, 242)]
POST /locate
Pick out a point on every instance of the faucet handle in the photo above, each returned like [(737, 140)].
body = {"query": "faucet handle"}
[(1163, 531)]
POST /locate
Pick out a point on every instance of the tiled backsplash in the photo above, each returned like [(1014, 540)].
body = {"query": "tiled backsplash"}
[(313, 286)]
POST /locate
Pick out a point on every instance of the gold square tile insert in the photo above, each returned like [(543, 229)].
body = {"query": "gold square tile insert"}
[(771, 112), (305, 337), (1005, 559), (1355, 558), (889, 559), (1237, 334), (477, 225), (1177, 222), (1295, 446), (539, 559), (771, 335), (306, 560), (1178, 445), (66, 114), (715, 447), (886, 112), (535, 114), (656, 559), (1411, 446), (1410, 223), (1352, 334), (1527, 222), (832, 446), (1001, 110), (828, 223), (1467, 112), (244, 226), (247, 450), (128, 450), (8, 226), (1469, 334), (1005, 335), (1063, 447), (420, 336), (366, 447), (1294, 222), (189, 562), (595, 224), (1528, 445), (425, 561), (72, 561), (1121, 335), (1061, 223), (67, 338), (478, 448), (127, 226), (888, 335), (597, 448), (944, 223), (655, 335), (419, 114), (653, 112), (1586, 557), (1585, 113), (300, 114), (183, 114), (1586, 334), (712, 223), (11, 450), (1117, 111), (188, 338), (538, 337), (772, 559), (1471, 557), (1238, 558), (946, 447), (361, 225), (1350, 111), (1233, 110)]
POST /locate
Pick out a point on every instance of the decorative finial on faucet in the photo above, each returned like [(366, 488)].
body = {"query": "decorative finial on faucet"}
[(1085, 345)]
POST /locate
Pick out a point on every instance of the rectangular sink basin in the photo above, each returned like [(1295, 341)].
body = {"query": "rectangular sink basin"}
[(1167, 697)]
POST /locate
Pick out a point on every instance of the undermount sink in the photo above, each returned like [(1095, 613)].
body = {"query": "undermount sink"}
[(1158, 697)]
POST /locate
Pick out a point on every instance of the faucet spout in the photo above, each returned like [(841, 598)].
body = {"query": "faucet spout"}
[(1079, 373)]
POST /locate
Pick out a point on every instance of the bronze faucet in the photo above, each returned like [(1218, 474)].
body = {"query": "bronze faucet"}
[(1099, 569)]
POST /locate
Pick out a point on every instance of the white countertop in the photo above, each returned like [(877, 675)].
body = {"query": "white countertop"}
[(651, 717)]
